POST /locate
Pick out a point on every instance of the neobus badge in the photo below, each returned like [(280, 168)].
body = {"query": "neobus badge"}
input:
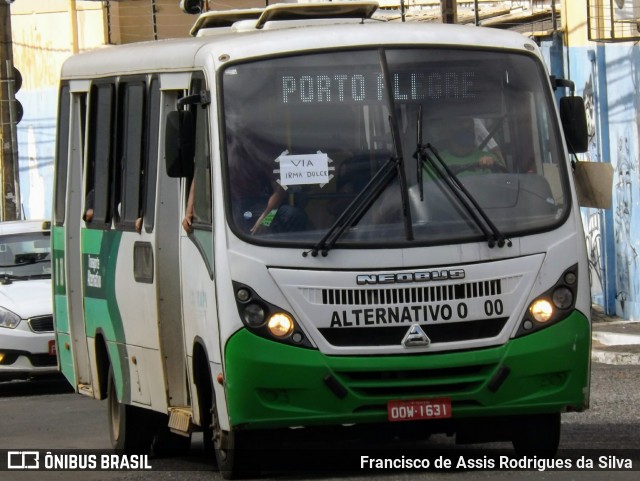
[(401, 277)]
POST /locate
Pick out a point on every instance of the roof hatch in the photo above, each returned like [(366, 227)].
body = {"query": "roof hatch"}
[(284, 12)]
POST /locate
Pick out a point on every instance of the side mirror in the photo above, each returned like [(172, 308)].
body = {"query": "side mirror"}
[(574, 123), (179, 143)]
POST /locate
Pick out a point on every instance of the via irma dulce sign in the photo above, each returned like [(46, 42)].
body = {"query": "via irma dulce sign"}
[(304, 169)]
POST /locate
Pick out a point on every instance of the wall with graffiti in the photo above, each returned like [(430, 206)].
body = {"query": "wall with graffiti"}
[(607, 77)]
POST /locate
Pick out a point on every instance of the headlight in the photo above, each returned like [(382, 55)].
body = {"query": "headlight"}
[(562, 298), (280, 325), (541, 310), (268, 320), (254, 315), (8, 319), (553, 305)]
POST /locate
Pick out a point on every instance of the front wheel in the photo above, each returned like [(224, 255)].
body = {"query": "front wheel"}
[(230, 447), (131, 428)]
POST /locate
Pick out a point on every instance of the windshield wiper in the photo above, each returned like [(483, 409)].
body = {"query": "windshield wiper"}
[(424, 157), (365, 199), (357, 208)]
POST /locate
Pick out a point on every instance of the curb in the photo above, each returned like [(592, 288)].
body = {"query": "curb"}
[(616, 358), (615, 348)]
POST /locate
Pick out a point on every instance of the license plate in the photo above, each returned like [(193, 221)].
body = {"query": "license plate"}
[(52, 348), (419, 409)]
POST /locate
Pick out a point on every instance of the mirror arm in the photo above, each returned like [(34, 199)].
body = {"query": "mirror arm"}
[(561, 82), (203, 98)]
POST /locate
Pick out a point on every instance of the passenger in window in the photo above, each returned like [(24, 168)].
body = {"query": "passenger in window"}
[(259, 201), (462, 154), (259, 204), (88, 206), (187, 221)]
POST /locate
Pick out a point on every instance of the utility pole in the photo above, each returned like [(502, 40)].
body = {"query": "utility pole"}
[(73, 20), (449, 10), (9, 184)]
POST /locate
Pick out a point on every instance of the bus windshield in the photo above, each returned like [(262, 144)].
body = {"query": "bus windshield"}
[(304, 135)]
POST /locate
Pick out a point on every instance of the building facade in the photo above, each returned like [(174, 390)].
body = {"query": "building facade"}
[(45, 34), (603, 59)]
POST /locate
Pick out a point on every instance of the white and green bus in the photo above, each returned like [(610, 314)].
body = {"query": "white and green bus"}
[(303, 216)]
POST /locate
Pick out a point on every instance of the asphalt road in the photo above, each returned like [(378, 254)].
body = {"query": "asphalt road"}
[(46, 415)]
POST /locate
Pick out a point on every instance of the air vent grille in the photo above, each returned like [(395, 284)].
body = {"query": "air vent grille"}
[(411, 295)]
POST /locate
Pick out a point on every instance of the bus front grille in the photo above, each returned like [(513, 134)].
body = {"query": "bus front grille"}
[(393, 335), (406, 295)]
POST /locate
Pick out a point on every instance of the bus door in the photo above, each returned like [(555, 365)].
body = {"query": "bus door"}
[(74, 351), (196, 243), (168, 228), (68, 291)]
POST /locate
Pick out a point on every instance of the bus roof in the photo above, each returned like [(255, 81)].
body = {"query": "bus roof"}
[(280, 38)]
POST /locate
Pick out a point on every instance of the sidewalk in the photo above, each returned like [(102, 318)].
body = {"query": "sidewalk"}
[(614, 341)]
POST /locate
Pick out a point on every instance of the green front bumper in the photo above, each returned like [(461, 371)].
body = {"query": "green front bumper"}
[(273, 385)]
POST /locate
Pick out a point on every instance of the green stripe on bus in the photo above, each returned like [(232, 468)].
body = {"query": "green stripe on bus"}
[(99, 260), (58, 261), (121, 376), (65, 359), (61, 313)]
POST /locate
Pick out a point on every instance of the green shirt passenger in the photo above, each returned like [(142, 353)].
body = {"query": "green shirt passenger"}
[(463, 157)]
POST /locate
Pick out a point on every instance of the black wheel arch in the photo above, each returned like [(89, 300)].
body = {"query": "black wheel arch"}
[(202, 376), (103, 362)]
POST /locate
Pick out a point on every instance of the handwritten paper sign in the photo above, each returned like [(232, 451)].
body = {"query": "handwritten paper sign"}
[(304, 169)]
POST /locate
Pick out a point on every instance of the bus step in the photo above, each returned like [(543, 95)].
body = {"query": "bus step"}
[(180, 420), (85, 389)]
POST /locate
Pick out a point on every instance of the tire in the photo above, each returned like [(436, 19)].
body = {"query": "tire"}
[(230, 447), (130, 428), (537, 435), (205, 404)]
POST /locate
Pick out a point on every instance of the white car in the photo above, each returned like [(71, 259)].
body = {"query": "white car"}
[(27, 345)]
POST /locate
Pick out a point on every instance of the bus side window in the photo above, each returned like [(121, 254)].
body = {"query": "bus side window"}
[(151, 159), (129, 158), (97, 192)]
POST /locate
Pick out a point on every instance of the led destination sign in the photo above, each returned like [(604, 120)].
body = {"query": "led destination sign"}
[(368, 87)]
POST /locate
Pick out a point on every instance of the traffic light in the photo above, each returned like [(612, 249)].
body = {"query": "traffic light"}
[(17, 83)]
